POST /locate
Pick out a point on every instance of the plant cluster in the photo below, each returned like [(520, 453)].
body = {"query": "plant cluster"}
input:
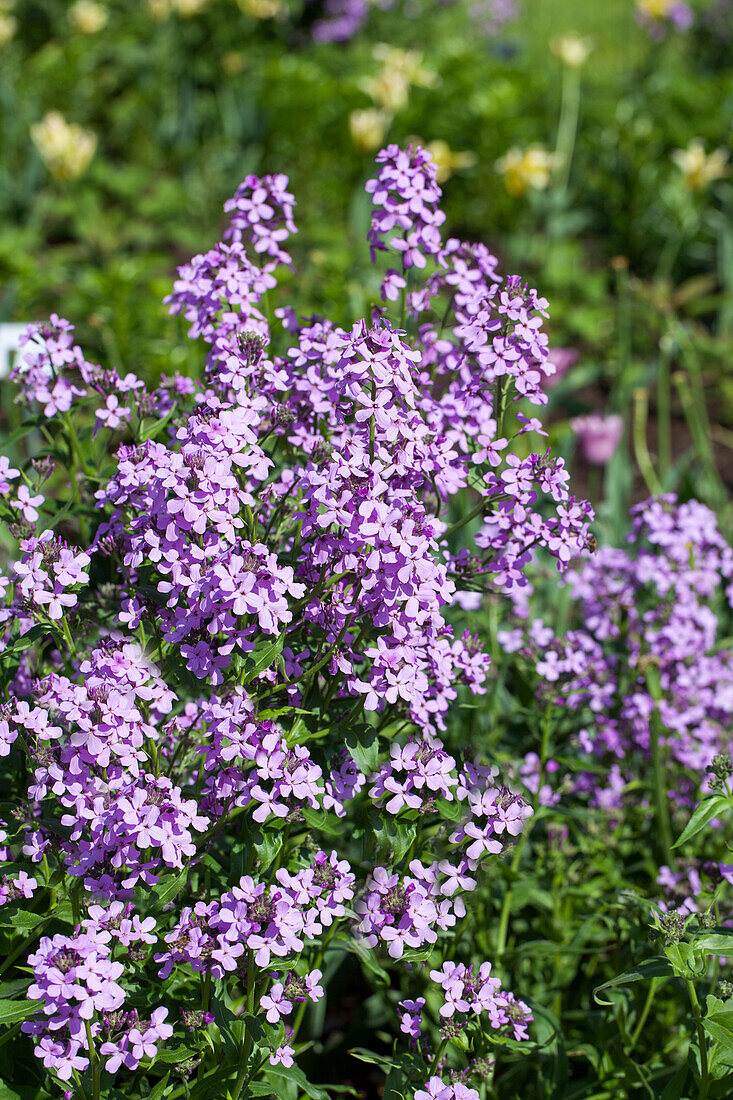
[(226, 700)]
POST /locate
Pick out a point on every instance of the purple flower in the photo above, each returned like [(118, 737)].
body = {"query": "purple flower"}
[(598, 437), (275, 1003)]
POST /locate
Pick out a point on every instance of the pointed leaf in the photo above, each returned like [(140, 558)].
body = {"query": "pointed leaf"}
[(650, 968), (704, 813)]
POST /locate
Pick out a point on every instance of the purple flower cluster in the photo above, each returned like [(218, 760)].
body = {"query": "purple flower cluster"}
[(252, 652), (646, 610), (405, 196), (343, 19), (47, 569), (466, 992), (53, 375), (271, 921)]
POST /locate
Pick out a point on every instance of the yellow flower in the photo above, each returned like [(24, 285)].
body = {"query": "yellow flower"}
[(160, 9), (571, 49), (368, 128), (188, 8), (8, 27), (406, 62), (400, 69), (232, 62), (654, 9), (261, 9), (87, 17), (526, 168), (447, 161), (391, 90), (66, 149), (699, 168)]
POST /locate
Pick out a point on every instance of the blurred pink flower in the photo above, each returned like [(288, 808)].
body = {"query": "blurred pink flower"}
[(598, 436), (562, 359)]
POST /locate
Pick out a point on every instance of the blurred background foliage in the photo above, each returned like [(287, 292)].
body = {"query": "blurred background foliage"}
[(570, 166)]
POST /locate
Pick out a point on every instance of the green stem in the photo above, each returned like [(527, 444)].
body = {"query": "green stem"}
[(702, 1043), (643, 459), (94, 1062), (664, 415), (644, 1013), (247, 1045), (660, 796), (436, 1060), (567, 127), (298, 1022), (506, 905), (467, 519), (696, 413), (75, 444)]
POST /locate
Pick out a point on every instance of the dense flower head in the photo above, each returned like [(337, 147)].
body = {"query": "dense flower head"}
[(648, 637), (54, 375)]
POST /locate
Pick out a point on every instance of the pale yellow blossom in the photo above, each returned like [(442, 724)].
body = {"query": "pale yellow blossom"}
[(261, 9), (699, 168), (189, 8), (407, 62), (400, 69), (8, 27), (525, 169), (447, 161), (571, 49), (654, 9), (233, 62), (368, 128), (160, 9), (391, 90), (67, 149), (87, 17)]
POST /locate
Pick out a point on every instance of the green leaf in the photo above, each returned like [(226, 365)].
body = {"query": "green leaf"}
[(650, 968), (28, 426), (176, 1054), (224, 1019), (395, 834), (362, 741), (323, 822), (675, 1088), (157, 428), (12, 1011), (40, 630), (296, 1075), (373, 1059), (393, 1085), (169, 886), (366, 955), (25, 920), (267, 846), (715, 943), (253, 1024), (704, 813), (262, 656), (720, 1026), (159, 1089), (685, 960)]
